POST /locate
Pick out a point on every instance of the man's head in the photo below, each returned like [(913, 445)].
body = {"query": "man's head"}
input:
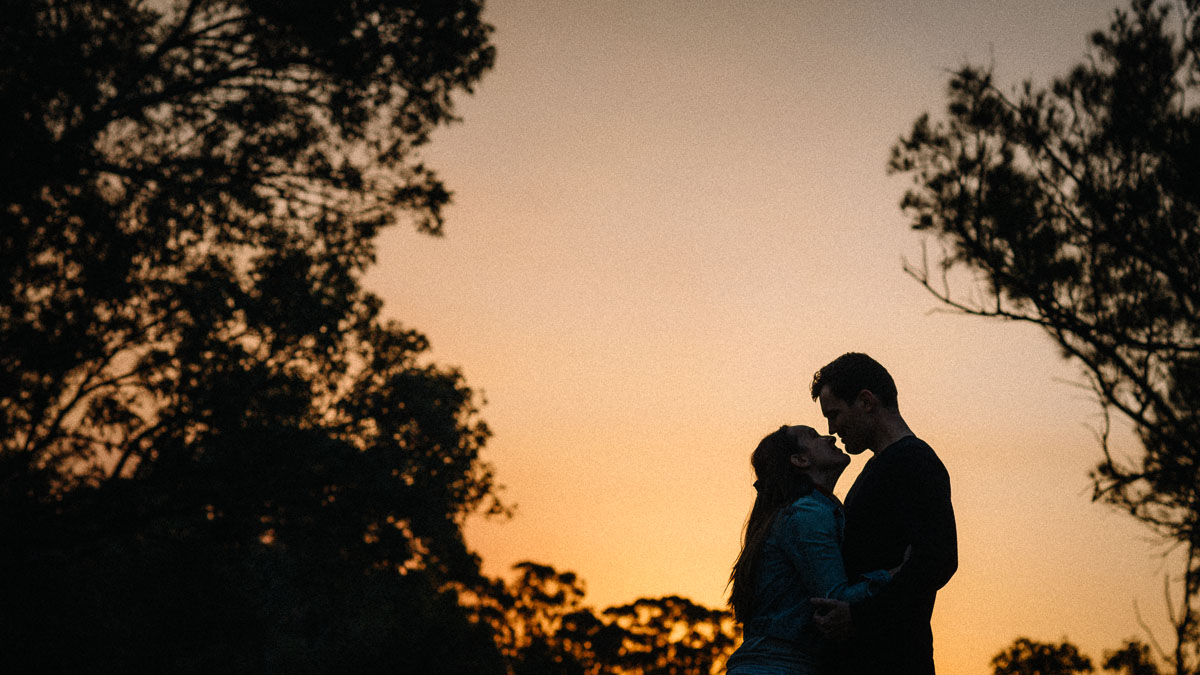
[(857, 396)]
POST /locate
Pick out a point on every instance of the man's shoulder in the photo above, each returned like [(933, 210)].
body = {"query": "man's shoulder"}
[(909, 447), (910, 455), (909, 443)]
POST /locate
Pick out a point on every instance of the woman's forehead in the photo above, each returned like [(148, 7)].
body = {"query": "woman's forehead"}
[(801, 431)]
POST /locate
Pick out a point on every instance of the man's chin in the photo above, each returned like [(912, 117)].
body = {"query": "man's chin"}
[(854, 451)]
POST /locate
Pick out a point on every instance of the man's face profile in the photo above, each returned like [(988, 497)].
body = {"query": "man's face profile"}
[(844, 419)]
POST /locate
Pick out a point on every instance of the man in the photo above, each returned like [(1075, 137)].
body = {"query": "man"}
[(899, 506)]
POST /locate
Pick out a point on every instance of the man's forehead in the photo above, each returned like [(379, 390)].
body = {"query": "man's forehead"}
[(828, 399)]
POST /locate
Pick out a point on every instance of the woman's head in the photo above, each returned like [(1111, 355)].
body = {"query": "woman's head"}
[(778, 476), (787, 464), (790, 460)]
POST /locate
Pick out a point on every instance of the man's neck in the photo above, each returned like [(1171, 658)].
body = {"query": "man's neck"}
[(892, 429)]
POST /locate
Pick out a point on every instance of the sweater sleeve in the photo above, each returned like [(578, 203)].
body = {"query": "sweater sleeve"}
[(812, 544)]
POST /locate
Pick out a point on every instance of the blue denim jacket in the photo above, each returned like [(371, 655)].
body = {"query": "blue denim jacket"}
[(802, 559)]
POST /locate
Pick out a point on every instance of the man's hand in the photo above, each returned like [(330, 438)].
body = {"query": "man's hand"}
[(832, 618)]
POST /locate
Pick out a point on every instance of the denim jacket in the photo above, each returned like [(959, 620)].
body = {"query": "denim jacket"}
[(802, 559)]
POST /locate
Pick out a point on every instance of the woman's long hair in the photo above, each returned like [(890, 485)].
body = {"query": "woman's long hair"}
[(779, 483)]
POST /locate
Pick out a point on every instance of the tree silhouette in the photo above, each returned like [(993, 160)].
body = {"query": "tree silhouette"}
[(213, 452), (672, 636), (527, 618), (541, 626), (1028, 657), (1133, 658), (1077, 209)]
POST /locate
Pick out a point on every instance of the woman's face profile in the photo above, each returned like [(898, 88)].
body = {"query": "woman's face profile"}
[(817, 451)]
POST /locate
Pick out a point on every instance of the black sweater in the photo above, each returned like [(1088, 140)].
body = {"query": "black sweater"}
[(901, 499)]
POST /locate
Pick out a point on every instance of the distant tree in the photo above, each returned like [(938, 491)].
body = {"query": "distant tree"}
[(214, 454), (527, 616), (1133, 658), (672, 636), (541, 627), (1029, 657), (596, 642), (1077, 209)]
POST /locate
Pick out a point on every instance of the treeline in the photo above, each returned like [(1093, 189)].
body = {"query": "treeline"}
[(541, 626), (1030, 657)]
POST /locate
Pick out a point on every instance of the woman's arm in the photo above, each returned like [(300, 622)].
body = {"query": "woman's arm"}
[(812, 543)]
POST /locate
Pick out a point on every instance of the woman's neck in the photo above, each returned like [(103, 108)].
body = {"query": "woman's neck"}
[(825, 480)]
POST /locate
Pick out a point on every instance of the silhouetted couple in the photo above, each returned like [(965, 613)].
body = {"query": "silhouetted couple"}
[(824, 588)]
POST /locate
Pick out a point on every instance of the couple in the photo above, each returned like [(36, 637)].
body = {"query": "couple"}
[(822, 588)]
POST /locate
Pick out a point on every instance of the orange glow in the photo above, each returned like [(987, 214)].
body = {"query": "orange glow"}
[(667, 216)]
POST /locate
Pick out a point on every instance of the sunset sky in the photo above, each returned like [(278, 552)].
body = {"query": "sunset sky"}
[(667, 215)]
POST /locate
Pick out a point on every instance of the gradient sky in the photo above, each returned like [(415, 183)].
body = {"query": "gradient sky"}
[(669, 214)]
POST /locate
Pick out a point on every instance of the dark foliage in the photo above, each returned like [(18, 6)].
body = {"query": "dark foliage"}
[(1030, 657), (541, 626), (214, 455), (1027, 657), (1077, 209), (1133, 658), (672, 636)]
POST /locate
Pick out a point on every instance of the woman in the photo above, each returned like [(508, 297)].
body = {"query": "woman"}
[(791, 552)]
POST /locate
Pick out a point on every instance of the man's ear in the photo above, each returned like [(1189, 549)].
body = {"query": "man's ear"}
[(800, 461), (867, 399)]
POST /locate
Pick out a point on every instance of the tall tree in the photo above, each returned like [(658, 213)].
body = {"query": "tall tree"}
[(199, 404), (1077, 208)]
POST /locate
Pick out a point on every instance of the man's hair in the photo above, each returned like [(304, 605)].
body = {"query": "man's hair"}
[(853, 372)]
